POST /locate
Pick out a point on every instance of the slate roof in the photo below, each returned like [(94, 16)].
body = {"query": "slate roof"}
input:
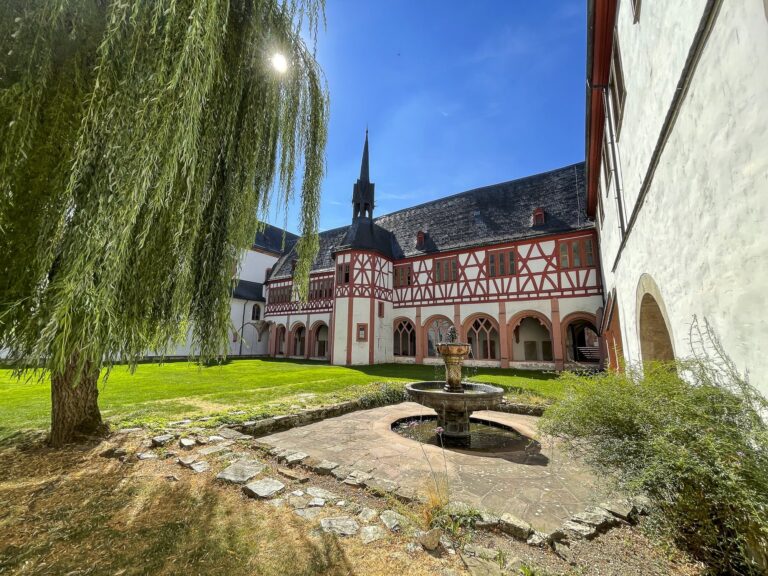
[(484, 216), (270, 239), (247, 290)]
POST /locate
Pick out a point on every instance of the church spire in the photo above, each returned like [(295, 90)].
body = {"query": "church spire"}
[(362, 193), (364, 174)]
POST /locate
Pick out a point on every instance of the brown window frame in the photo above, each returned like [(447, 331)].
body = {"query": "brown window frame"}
[(403, 276), (445, 274), (501, 263), (343, 274), (381, 309), (618, 87), (361, 332), (581, 246)]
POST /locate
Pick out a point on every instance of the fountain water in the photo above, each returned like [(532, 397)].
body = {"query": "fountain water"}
[(454, 400)]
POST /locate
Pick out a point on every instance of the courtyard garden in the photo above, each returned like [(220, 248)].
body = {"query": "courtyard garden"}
[(240, 390)]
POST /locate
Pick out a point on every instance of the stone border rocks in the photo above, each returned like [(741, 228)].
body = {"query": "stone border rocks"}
[(270, 425)]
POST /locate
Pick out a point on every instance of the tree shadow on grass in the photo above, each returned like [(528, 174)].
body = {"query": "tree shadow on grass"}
[(70, 509)]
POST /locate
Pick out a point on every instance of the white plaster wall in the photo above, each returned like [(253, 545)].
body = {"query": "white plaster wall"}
[(253, 266), (653, 53), (543, 306), (701, 232), (490, 309), (361, 314), (382, 336), (427, 311), (583, 304), (340, 309)]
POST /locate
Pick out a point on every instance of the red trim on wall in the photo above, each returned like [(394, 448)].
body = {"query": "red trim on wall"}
[(600, 46), (503, 333), (555, 334)]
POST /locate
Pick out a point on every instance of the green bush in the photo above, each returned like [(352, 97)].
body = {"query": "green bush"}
[(383, 394), (691, 438)]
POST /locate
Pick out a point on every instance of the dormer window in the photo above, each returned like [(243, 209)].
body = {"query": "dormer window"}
[(420, 236), (538, 217)]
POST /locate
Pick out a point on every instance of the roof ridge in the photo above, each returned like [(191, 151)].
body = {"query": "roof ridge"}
[(479, 188)]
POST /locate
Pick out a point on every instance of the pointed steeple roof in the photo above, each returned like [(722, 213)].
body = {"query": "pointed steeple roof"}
[(364, 172), (363, 190)]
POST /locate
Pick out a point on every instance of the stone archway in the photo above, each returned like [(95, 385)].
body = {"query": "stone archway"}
[(297, 340), (529, 337), (581, 341), (319, 340), (653, 326), (434, 331)]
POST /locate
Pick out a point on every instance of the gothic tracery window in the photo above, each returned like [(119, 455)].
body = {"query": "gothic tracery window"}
[(484, 339), (405, 339), (437, 332)]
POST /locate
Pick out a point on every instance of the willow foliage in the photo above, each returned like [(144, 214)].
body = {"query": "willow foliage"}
[(140, 143)]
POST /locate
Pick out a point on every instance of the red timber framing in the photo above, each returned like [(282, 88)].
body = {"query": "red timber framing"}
[(320, 296), (601, 19), (538, 274), (369, 278)]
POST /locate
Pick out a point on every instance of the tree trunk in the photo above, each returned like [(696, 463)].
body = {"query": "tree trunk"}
[(74, 405)]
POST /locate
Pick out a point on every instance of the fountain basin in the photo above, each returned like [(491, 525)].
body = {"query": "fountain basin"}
[(472, 397), (453, 408)]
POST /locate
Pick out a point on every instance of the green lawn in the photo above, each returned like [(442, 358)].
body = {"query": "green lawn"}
[(158, 393)]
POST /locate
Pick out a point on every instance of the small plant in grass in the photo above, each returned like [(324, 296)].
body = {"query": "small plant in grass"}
[(690, 436)]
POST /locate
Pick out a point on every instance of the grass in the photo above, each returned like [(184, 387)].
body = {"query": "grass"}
[(155, 394)]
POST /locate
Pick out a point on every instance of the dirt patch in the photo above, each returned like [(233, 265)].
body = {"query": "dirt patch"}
[(75, 512)]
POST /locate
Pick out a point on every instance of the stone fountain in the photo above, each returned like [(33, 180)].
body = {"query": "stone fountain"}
[(454, 400)]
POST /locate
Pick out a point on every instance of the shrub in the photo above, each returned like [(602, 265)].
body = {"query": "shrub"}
[(383, 394), (691, 437)]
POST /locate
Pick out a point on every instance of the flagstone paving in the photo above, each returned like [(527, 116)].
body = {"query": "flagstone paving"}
[(544, 487)]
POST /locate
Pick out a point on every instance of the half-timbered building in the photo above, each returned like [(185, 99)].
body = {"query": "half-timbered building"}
[(513, 267)]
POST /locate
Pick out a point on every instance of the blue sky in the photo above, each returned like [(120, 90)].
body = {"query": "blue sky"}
[(456, 95)]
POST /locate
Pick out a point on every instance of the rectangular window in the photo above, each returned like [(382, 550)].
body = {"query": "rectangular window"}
[(362, 332), (600, 211), (402, 276), (576, 254), (617, 87), (501, 263), (530, 350), (546, 350), (607, 170), (381, 309), (446, 270), (589, 254), (346, 273), (564, 260)]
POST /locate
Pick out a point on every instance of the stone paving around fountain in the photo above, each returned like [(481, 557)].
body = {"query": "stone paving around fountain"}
[(545, 491)]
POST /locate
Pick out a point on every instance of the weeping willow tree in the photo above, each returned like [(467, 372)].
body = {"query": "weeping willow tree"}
[(141, 144)]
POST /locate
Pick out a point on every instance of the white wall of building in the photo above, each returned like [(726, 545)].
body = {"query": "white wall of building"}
[(701, 232)]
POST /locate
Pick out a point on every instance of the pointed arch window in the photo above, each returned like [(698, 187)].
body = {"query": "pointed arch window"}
[(484, 339), (405, 339), (256, 312), (437, 332)]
